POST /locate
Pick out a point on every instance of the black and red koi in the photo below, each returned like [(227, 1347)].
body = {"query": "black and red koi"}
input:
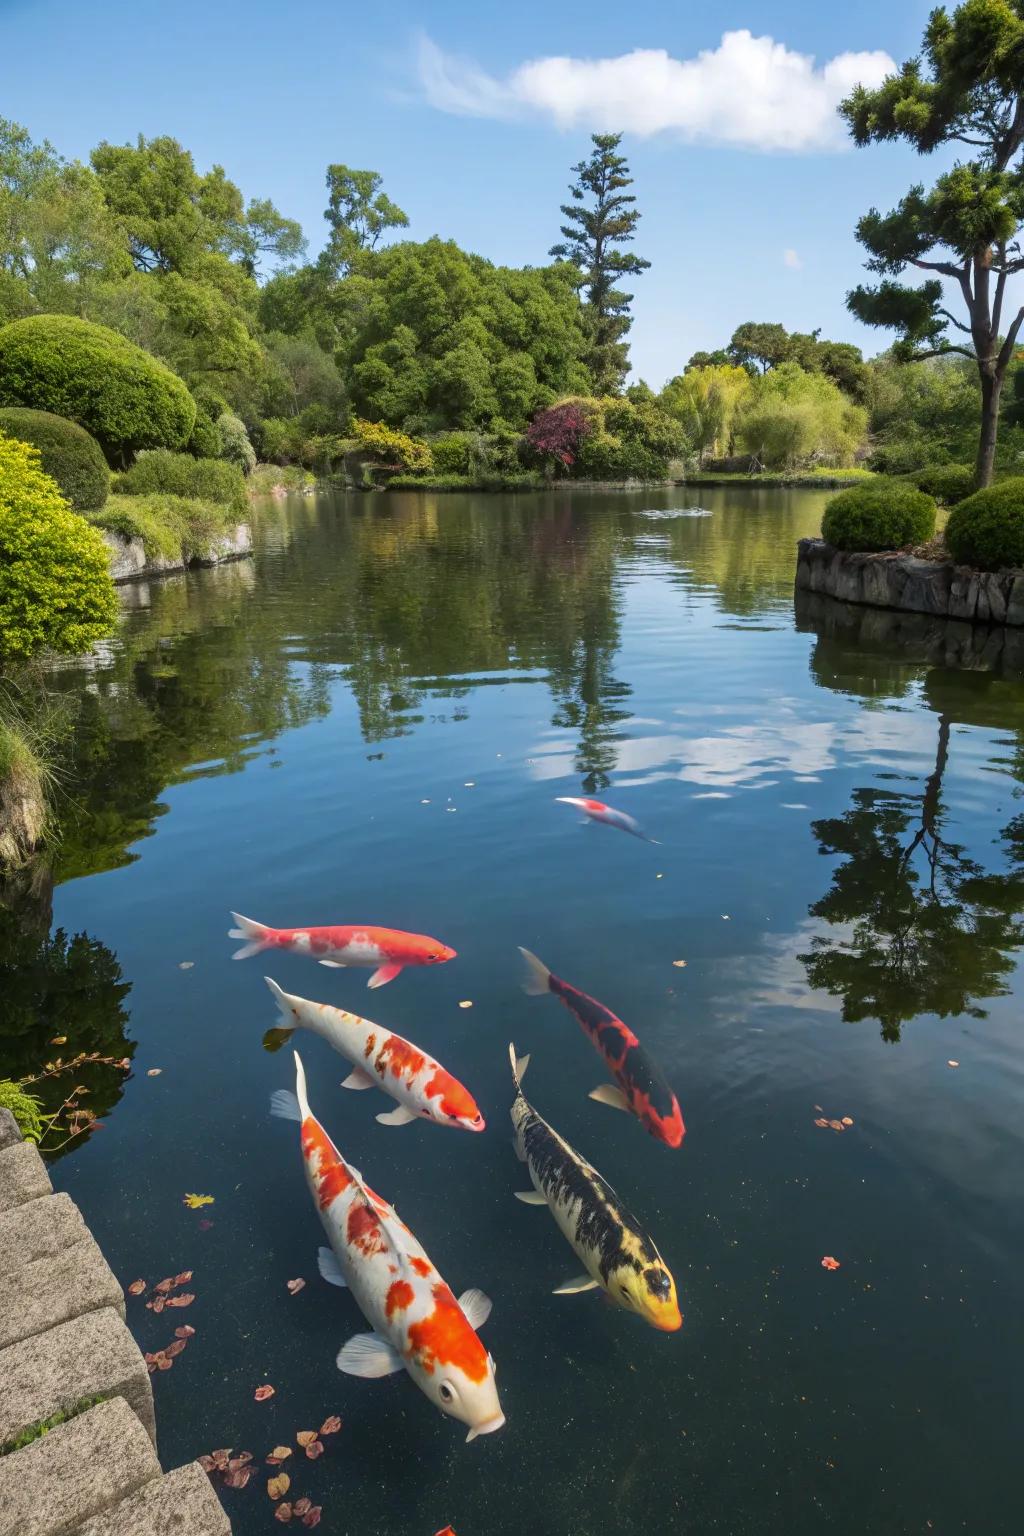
[(642, 1088)]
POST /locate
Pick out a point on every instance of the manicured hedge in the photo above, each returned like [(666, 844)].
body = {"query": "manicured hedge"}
[(948, 483), (987, 529), (55, 588), (123, 396), (67, 453), (883, 515), (178, 474), (174, 527)]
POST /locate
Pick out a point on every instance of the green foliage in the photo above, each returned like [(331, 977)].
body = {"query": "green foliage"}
[(627, 440), (235, 444), (23, 1106), (178, 474), (271, 479), (171, 527), (757, 345), (593, 234), (987, 529), (43, 1426), (124, 397), (922, 413), (525, 480), (882, 515), (66, 451), (205, 442), (790, 418), (948, 483), (358, 213), (704, 401), (55, 588), (379, 442)]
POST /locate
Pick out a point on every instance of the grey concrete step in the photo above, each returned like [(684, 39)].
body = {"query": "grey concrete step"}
[(23, 1176), (91, 1354), (52, 1486), (38, 1230), (181, 1504), (9, 1132), (55, 1289)]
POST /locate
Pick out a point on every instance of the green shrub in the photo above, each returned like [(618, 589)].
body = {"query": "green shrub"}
[(172, 527), (274, 479), (55, 587), (948, 483), (485, 482), (987, 529), (205, 441), (390, 447), (67, 454), (881, 515), (123, 396), (178, 474), (24, 1107), (235, 444), (453, 452)]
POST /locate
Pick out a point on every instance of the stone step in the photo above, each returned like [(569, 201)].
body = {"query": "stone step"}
[(9, 1132), (39, 1229), (55, 1370), (56, 1288), (23, 1176), (53, 1485), (181, 1504)]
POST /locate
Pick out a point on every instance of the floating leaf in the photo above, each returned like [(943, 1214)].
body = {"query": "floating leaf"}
[(275, 1038), (302, 1506), (330, 1426), (847, 1120), (278, 1486), (184, 1332), (315, 1449), (680, 965), (241, 1460), (829, 1263), (283, 1512), (952, 1063), (836, 1125), (59, 1040), (163, 1363), (136, 1288), (279, 1453), (237, 1478), (184, 1300), (466, 1003), (183, 1278), (262, 1393), (305, 1437), (165, 1285), (154, 1071), (221, 1457), (822, 1123), (195, 1201), (295, 1286), (175, 1348), (157, 1304), (312, 1516), (207, 1463), (185, 965)]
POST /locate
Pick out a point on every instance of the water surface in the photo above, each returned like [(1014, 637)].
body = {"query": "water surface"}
[(369, 722)]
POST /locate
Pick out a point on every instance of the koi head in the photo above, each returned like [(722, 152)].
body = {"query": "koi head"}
[(472, 1403), (437, 953), (451, 1366), (451, 1103), (650, 1292)]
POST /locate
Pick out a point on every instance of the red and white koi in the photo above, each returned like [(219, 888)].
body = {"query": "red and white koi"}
[(418, 1325), (596, 810), (420, 1086), (641, 1087), (388, 950)]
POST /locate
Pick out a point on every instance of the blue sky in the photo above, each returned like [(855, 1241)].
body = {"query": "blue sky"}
[(479, 154)]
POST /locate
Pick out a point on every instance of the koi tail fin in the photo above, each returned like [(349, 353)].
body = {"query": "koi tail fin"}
[(257, 935), (538, 977), (519, 1065), (300, 1086), (284, 1105)]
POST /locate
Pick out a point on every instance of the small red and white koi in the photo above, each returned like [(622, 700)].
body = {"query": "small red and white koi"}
[(596, 810), (420, 1086), (418, 1326), (388, 950)]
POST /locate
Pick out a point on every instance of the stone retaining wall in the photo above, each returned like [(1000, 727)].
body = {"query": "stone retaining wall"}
[(128, 559), (911, 584), (63, 1339)]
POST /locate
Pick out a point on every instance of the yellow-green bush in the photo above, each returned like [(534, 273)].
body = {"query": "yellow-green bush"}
[(179, 474), (172, 527), (67, 452), (55, 587), (392, 447)]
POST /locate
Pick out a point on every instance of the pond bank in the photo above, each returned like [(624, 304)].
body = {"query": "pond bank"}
[(129, 560), (910, 584), (77, 1427)]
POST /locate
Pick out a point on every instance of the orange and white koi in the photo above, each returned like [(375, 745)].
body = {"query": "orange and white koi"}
[(616, 1252), (420, 1086), (596, 810), (418, 1326), (642, 1089), (388, 950)]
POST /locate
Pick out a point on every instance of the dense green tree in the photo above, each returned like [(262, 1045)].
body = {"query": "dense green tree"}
[(704, 401), (968, 89), (922, 413), (759, 345), (790, 418), (717, 359), (601, 218), (358, 213)]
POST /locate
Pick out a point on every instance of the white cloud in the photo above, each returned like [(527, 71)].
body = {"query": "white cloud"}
[(791, 259), (749, 91)]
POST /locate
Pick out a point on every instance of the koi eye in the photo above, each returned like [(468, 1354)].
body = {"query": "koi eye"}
[(447, 1393)]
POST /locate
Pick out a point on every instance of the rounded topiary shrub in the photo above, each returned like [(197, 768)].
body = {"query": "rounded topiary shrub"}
[(987, 529), (55, 588), (67, 453), (235, 444), (123, 396), (881, 515), (178, 474), (948, 483)]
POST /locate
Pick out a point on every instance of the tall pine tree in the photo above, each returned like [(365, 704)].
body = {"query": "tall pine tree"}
[(601, 217)]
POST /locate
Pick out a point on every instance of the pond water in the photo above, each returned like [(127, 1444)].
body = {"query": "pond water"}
[(370, 722)]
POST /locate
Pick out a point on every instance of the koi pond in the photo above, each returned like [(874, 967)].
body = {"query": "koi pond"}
[(371, 722)]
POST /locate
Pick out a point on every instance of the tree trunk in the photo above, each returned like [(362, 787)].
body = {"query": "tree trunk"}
[(991, 388)]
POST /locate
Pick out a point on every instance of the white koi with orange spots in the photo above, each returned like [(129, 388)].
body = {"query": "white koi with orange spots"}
[(420, 1086), (418, 1326)]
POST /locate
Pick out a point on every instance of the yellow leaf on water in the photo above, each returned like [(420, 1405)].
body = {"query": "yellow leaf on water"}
[(195, 1201), (59, 1040), (679, 964), (278, 1485), (466, 1003)]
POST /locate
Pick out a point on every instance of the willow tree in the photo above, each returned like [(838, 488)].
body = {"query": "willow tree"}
[(967, 88), (601, 217)]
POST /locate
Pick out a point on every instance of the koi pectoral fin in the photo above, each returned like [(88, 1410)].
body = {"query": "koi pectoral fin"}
[(358, 1079), (476, 1307), (367, 1354), (573, 1287), (530, 1197), (333, 965), (330, 1269), (383, 975), (610, 1095), (398, 1116)]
